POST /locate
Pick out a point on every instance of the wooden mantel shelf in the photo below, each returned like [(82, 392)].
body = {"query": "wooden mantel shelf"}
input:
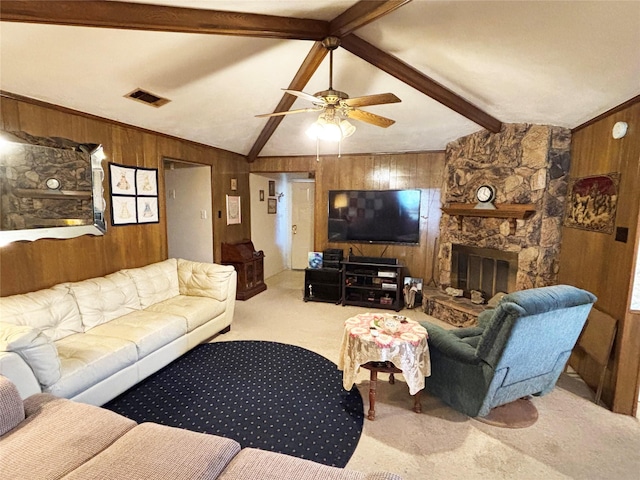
[(510, 211)]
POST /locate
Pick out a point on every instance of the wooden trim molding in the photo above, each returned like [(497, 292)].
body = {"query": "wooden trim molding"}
[(616, 109), (71, 111)]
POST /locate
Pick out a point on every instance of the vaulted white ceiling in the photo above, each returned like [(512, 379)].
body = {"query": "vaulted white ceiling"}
[(558, 63)]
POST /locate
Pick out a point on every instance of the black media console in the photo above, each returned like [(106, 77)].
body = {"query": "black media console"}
[(372, 282), (323, 285)]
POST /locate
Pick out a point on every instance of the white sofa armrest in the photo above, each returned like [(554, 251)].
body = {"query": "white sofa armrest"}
[(16, 369), (38, 351), (206, 279)]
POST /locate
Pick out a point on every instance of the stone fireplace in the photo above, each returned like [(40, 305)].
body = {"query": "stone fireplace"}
[(527, 164)]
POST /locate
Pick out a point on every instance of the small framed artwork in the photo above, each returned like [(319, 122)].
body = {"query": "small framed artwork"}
[(123, 179), (412, 291), (147, 209), (272, 205), (147, 181), (262, 195), (234, 184), (123, 210), (272, 188), (233, 210)]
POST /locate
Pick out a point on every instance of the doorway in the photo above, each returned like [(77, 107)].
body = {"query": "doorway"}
[(189, 207), (302, 217), (278, 202)]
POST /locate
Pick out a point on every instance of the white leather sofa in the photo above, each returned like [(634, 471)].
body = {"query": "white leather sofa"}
[(89, 341)]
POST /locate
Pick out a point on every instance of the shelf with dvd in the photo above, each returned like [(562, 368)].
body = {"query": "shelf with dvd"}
[(370, 284)]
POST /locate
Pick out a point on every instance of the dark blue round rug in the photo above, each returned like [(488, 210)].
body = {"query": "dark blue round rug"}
[(266, 395)]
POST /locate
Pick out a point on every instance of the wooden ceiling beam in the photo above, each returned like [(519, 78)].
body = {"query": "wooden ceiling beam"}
[(305, 72), (409, 75), (362, 13), (160, 18)]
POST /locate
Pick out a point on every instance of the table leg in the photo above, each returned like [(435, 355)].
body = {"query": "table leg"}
[(373, 382), (417, 406), (392, 379)]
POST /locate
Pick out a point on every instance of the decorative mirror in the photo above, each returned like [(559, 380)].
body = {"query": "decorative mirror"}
[(50, 188)]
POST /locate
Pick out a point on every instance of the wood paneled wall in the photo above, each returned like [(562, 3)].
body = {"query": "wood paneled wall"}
[(599, 263), (374, 172), (28, 266)]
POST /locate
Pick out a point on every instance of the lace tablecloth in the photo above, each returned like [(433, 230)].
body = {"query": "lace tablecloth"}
[(407, 349)]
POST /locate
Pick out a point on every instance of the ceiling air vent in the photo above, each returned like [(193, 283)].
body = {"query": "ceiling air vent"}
[(147, 98)]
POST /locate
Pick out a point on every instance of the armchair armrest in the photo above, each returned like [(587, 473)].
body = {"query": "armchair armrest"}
[(484, 317), (449, 345)]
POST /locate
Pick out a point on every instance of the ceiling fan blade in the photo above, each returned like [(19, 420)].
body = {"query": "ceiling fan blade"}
[(306, 96), (287, 112), (379, 99), (371, 118)]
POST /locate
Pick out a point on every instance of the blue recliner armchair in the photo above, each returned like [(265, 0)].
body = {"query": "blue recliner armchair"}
[(518, 349)]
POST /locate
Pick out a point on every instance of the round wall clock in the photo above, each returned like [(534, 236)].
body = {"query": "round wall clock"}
[(486, 194), (53, 183)]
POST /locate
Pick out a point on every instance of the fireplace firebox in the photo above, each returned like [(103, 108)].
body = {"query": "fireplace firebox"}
[(487, 270)]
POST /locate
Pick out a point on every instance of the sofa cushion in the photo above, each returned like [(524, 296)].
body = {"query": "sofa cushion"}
[(37, 350), (102, 299), (53, 311), (11, 407), (252, 463), (58, 436), (161, 452), (87, 359), (196, 310), (155, 282), (149, 331), (204, 279)]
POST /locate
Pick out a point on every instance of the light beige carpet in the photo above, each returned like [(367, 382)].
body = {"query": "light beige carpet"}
[(573, 438)]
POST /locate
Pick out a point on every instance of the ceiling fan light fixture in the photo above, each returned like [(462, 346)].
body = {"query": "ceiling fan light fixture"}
[(333, 130), (347, 128)]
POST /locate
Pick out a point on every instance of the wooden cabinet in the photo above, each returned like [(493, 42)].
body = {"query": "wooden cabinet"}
[(249, 264), (323, 285), (372, 285)]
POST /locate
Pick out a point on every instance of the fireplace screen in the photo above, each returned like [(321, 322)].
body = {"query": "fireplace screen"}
[(484, 269)]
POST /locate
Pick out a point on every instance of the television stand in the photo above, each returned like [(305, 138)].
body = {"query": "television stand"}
[(372, 284)]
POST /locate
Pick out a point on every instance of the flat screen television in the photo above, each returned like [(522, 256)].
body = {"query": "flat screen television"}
[(374, 216)]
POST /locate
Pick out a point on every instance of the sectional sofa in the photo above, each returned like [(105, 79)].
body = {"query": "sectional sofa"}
[(48, 438), (89, 341)]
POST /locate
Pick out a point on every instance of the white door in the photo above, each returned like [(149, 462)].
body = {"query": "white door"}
[(302, 206)]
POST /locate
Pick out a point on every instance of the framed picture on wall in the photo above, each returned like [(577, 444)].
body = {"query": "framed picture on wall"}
[(123, 179), (147, 208), (123, 210), (272, 205), (234, 184), (233, 210), (272, 188), (147, 181), (134, 195)]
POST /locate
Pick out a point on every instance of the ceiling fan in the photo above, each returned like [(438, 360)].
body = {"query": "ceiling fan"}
[(336, 106)]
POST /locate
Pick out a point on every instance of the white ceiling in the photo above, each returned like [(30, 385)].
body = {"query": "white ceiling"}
[(558, 63)]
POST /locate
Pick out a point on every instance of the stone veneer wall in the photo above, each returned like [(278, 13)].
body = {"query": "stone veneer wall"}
[(526, 164)]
